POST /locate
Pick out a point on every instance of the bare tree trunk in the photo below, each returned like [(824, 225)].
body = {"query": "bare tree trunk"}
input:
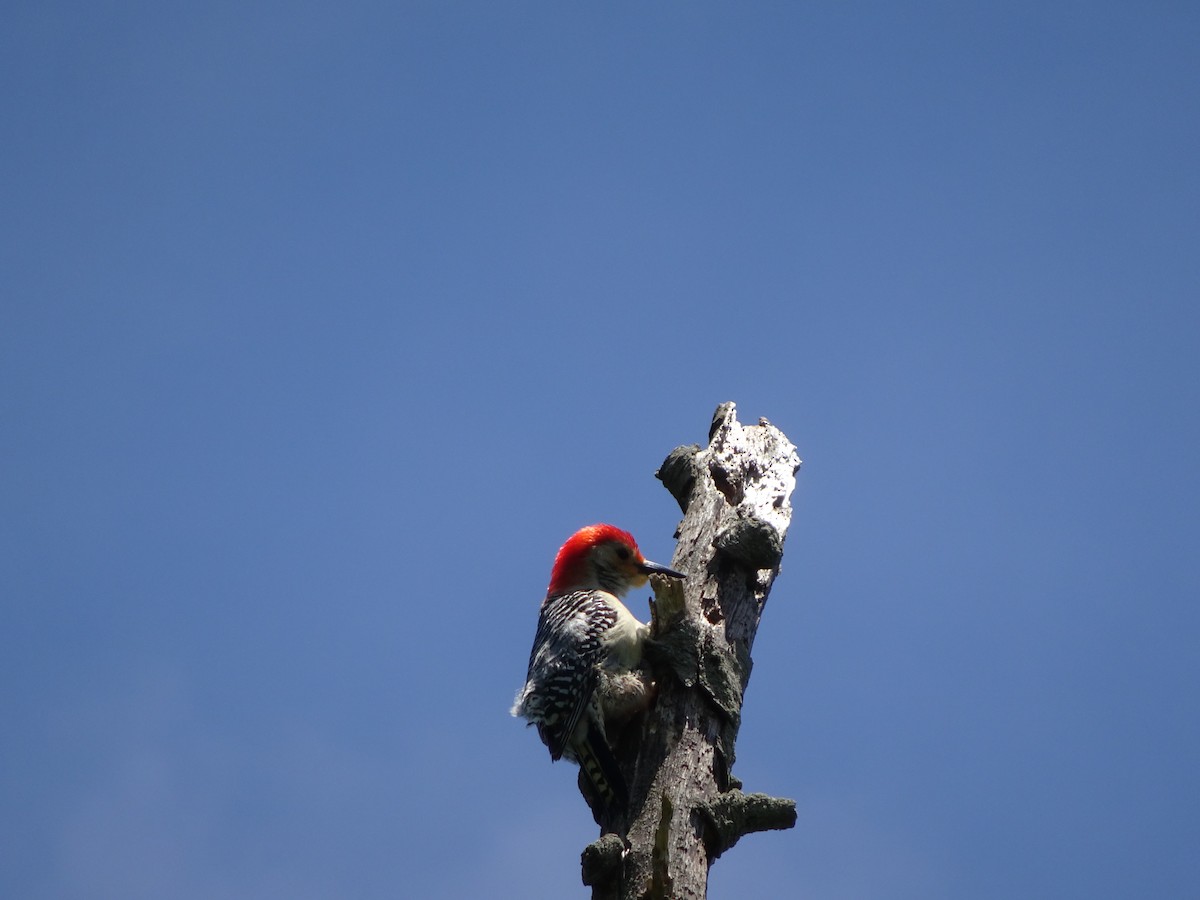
[(686, 808)]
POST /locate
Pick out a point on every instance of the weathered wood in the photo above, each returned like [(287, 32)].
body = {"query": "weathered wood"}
[(685, 806)]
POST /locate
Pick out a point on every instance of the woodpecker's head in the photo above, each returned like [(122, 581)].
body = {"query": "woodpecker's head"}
[(604, 557)]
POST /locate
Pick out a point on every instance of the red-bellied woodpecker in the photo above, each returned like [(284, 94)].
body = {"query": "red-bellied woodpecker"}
[(587, 646)]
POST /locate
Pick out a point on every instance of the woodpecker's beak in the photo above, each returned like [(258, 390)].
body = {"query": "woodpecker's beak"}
[(653, 568)]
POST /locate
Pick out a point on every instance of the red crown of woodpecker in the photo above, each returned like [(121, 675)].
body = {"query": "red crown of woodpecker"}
[(572, 557)]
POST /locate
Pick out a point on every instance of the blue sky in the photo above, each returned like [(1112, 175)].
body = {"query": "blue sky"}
[(324, 324)]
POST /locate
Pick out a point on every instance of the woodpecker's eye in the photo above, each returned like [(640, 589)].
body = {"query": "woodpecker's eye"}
[(623, 552)]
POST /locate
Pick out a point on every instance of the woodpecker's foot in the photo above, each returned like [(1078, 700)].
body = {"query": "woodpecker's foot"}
[(624, 695)]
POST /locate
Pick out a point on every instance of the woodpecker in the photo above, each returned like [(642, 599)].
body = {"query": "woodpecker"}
[(585, 653)]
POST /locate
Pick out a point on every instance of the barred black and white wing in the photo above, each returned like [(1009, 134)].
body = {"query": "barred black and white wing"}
[(564, 665)]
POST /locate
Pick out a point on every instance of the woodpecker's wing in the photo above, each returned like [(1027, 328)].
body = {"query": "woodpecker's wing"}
[(564, 661)]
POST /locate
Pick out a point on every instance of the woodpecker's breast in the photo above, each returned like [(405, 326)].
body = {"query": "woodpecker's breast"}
[(622, 641)]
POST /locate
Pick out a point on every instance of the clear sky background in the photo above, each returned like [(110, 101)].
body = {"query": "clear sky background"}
[(322, 325)]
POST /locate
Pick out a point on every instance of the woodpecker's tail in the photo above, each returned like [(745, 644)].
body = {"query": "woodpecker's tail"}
[(600, 769)]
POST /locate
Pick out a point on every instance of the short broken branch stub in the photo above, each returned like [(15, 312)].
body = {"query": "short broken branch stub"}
[(732, 815), (752, 542), (601, 864), (678, 474)]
